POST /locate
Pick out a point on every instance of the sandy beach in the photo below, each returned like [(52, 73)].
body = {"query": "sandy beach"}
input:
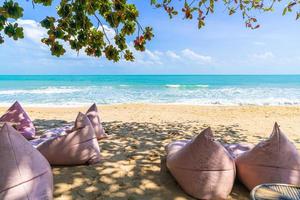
[(133, 165)]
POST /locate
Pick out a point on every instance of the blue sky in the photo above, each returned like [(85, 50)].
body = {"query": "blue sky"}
[(224, 46)]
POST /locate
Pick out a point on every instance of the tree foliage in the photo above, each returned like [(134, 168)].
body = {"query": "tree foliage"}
[(202, 8), (81, 23)]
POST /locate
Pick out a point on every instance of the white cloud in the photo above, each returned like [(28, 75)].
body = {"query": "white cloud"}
[(153, 55), (110, 32), (159, 53), (32, 30), (263, 56), (146, 58), (165, 58), (198, 58), (172, 55)]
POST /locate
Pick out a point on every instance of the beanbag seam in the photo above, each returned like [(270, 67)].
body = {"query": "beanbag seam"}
[(23, 183)]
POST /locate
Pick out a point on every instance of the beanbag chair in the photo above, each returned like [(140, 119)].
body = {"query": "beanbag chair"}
[(73, 147), (24, 172), (202, 167), (20, 120), (275, 160), (51, 134), (235, 150), (93, 116), (175, 146)]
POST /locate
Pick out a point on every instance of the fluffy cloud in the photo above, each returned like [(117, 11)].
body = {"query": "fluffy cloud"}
[(155, 55), (109, 32), (172, 55), (198, 58), (188, 55), (164, 58), (32, 30)]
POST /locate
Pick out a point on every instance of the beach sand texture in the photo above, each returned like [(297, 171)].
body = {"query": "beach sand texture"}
[(133, 164)]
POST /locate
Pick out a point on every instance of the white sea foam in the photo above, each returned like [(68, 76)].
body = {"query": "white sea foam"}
[(186, 86), (203, 86), (114, 94), (50, 90), (173, 86)]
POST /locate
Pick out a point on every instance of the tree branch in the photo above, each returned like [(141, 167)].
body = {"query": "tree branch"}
[(103, 29)]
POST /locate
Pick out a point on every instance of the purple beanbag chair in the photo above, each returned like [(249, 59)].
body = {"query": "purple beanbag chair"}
[(202, 167), (93, 116), (17, 116), (73, 147), (24, 172), (275, 160)]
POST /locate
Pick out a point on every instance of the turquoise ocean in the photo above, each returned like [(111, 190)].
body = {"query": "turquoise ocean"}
[(158, 89)]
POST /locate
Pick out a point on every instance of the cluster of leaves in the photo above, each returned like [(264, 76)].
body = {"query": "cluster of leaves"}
[(80, 24), (75, 26), (10, 10), (202, 8)]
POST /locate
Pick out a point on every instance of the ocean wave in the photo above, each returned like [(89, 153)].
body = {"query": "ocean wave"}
[(203, 86), (173, 86), (186, 86), (187, 94), (52, 90)]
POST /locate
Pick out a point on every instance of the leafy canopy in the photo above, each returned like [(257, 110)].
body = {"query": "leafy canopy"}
[(80, 23)]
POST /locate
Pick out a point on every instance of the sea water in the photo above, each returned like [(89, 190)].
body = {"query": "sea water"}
[(158, 89)]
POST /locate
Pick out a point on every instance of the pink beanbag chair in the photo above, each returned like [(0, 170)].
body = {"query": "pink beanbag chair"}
[(235, 150), (202, 167), (74, 147), (24, 172), (93, 116), (275, 160), (17, 116)]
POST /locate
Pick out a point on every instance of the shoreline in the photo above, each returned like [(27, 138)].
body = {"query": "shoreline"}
[(49, 106)]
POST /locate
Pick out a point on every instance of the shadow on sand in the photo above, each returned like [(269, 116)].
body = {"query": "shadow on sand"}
[(133, 165)]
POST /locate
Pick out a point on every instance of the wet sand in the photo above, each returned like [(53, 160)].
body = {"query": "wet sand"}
[(133, 165)]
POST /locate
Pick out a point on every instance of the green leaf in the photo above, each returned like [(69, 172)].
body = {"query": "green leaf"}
[(285, 10)]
